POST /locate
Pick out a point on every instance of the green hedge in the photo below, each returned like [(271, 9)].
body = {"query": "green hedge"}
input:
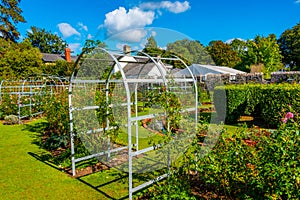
[(266, 102)]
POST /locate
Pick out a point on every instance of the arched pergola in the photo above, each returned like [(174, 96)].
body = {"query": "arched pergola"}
[(133, 96)]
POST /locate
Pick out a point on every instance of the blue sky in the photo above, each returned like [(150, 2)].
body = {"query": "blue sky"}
[(120, 22)]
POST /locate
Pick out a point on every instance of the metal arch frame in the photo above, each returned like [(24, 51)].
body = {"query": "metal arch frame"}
[(19, 88), (130, 120)]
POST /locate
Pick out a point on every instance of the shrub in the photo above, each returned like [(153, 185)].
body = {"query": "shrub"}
[(175, 187), (8, 105), (255, 164), (279, 161), (11, 119), (56, 111), (261, 101)]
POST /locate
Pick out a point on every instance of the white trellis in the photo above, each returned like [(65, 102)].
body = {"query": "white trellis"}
[(105, 95), (29, 92)]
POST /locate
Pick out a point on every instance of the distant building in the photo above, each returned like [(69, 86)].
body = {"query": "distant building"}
[(49, 58), (204, 70)]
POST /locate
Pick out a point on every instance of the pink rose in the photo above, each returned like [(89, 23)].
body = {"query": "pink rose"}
[(289, 115), (284, 120)]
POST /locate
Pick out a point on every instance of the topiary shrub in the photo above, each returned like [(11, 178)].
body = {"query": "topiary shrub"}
[(11, 119)]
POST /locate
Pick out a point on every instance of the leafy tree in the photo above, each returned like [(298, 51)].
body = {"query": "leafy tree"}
[(193, 51), (10, 16), (46, 41), (239, 46), (289, 43), (18, 60), (223, 54), (60, 68), (265, 51), (151, 43), (89, 44)]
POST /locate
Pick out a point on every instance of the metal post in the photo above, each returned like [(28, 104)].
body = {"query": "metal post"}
[(136, 115), (30, 102), (71, 129)]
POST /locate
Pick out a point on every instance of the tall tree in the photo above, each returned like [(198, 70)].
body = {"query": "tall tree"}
[(18, 60), (289, 43), (262, 51), (152, 49), (151, 43), (46, 41), (223, 54), (191, 50), (90, 44), (10, 16), (239, 46)]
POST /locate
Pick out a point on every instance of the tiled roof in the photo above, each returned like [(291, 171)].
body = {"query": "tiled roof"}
[(51, 57)]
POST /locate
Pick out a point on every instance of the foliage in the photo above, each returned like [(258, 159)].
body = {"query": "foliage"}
[(289, 43), (90, 44), (10, 16), (239, 46), (157, 52), (279, 165), (56, 141), (192, 51), (254, 164), (61, 68), (262, 50), (46, 41), (170, 104), (261, 101), (175, 187), (151, 43), (11, 104), (56, 111), (18, 60), (222, 54), (8, 105)]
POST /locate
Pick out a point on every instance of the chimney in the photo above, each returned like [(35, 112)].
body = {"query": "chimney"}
[(68, 54), (126, 49)]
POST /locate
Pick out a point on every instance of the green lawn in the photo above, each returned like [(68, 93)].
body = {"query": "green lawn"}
[(24, 176)]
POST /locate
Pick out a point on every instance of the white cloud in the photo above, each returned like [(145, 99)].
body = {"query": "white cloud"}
[(82, 26), (29, 30), (229, 41), (120, 20), (75, 47), (137, 18), (89, 36), (297, 1), (132, 35), (174, 7), (67, 30)]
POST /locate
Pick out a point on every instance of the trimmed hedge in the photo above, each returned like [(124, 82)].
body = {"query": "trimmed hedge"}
[(266, 102)]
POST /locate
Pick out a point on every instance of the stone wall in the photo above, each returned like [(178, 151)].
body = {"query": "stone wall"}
[(249, 78), (289, 77), (212, 80)]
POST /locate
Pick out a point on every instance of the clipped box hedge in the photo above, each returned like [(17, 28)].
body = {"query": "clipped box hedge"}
[(267, 102)]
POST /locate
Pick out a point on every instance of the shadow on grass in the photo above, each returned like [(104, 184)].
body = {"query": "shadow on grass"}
[(38, 127), (45, 159), (98, 187)]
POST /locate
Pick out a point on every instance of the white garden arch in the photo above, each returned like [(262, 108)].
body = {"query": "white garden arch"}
[(107, 96)]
